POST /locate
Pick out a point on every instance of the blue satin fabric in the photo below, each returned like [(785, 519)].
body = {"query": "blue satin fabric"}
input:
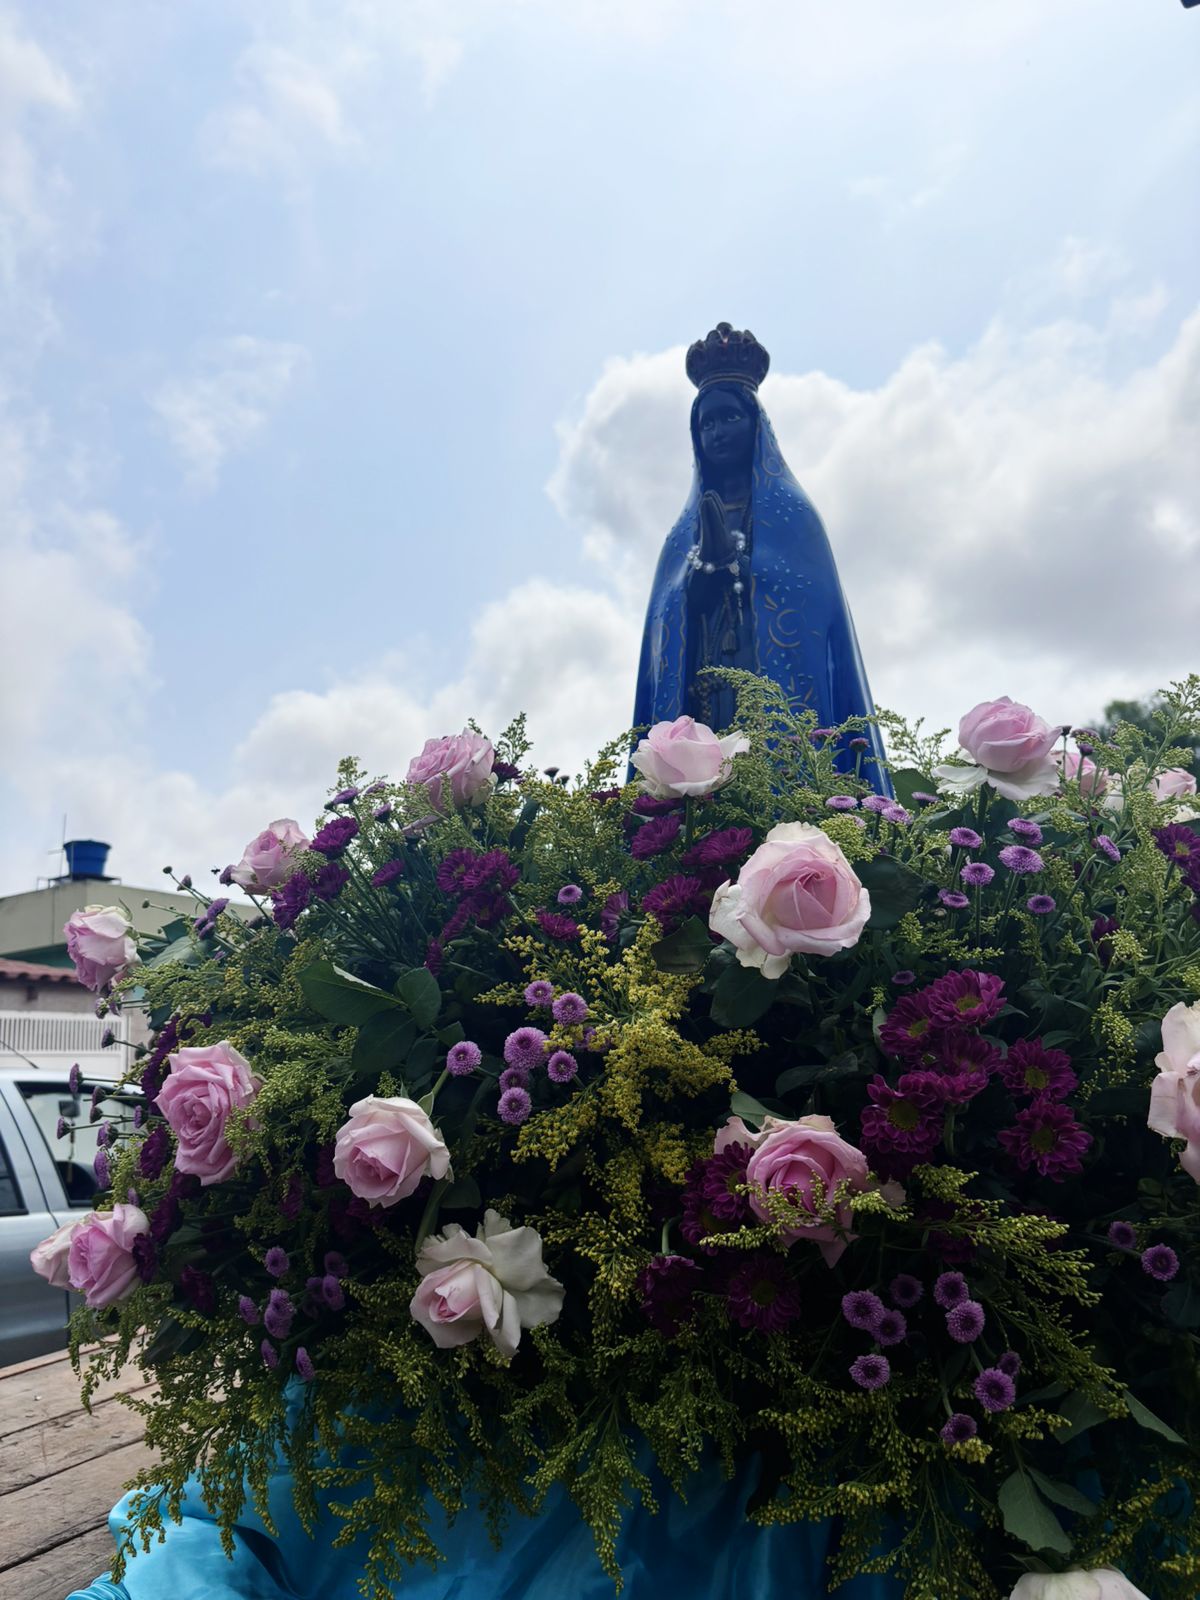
[(702, 1550), (802, 636)]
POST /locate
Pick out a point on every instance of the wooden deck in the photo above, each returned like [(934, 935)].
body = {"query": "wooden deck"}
[(61, 1469)]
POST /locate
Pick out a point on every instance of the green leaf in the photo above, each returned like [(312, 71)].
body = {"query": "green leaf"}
[(741, 996), (172, 1339), (1182, 1305), (1143, 1414), (1080, 1413), (180, 952), (463, 1195), (895, 890), (383, 1042), (907, 781), (418, 1069), (841, 1066), (419, 990), (451, 1034), (748, 1108), (1027, 1516), (341, 997), (1064, 1494), (685, 950)]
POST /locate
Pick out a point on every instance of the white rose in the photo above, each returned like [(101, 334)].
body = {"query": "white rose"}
[(682, 758), (1103, 1583), (495, 1283), (386, 1147)]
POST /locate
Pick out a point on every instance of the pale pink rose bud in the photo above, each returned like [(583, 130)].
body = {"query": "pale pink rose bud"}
[(461, 762), (269, 859), (1173, 784), (797, 893), (386, 1147), (99, 943), (205, 1085), (49, 1259), (1078, 768), (1004, 736), (1101, 1583), (682, 758), (806, 1161), (495, 1283), (100, 1261), (1175, 1093)]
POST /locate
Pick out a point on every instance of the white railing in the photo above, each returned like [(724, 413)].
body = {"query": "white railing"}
[(56, 1039)]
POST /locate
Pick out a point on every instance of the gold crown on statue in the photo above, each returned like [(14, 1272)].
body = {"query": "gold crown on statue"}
[(725, 355)]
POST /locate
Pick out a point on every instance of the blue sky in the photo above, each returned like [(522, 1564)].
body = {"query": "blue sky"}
[(343, 391)]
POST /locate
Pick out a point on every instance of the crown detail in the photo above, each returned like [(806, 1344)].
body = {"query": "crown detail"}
[(727, 355)]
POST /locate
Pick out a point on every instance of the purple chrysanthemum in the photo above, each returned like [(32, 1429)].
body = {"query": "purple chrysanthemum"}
[(719, 849), (965, 1321), (667, 1285), (462, 1058), (966, 999), (75, 1078), (994, 1389), (336, 1265), (905, 1290), (514, 1106), (890, 1327), (965, 838), (101, 1169), (248, 1311), (655, 836), (1019, 858), (226, 876), (896, 814), (199, 1290), (958, 1429), (269, 1354), (276, 1261), (676, 898), (966, 1062), (330, 881), (649, 805), (953, 900), (1033, 1069), (1161, 1262), (1041, 904), (145, 1256), (525, 1047), (562, 1067), (842, 802), (288, 902), (539, 993), (904, 1123), (569, 1009), (699, 1219), (555, 925), (332, 1292), (1122, 1234), (1024, 829), (723, 1175), (452, 870), (514, 1078), (1047, 1137), (1010, 1363), (977, 873), (950, 1289), (611, 913), (924, 798), (382, 811), (871, 1372), (387, 873), (333, 838), (762, 1295), (903, 978), (278, 1314), (569, 895), (1106, 847), (862, 1308), (1178, 843), (62, 1127), (872, 802), (906, 1031), (344, 796), (304, 1367)]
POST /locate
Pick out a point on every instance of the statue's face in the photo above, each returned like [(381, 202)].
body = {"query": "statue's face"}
[(726, 430)]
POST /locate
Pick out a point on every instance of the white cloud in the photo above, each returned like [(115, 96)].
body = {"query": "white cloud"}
[(1013, 520), (286, 107), (220, 408)]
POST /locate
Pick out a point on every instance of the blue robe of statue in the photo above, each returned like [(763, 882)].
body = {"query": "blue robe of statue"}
[(791, 623)]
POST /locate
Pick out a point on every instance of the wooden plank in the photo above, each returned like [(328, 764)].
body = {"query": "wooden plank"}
[(41, 1515), (58, 1572), (41, 1393), (64, 1442), (47, 1360)]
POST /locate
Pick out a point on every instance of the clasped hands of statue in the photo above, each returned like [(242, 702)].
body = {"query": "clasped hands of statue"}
[(718, 547)]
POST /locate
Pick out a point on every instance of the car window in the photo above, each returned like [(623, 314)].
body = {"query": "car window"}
[(10, 1195), (75, 1152)]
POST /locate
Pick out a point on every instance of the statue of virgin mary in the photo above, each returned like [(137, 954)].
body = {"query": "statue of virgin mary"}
[(747, 578)]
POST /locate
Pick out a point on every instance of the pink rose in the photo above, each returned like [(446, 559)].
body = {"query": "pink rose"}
[(495, 1283), (1091, 779), (99, 943), (1175, 1093), (797, 892), (682, 758), (49, 1259), (462, 760), (205, 1085), (386, 1148), (268, 860), (100, 1261), (806, 1161), (1011, 748), (1173, 784)]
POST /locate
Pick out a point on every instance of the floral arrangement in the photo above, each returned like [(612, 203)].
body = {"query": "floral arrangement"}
[(734, 1118)]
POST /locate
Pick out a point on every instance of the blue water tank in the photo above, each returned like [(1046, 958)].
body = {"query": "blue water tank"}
[(86, 858)]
